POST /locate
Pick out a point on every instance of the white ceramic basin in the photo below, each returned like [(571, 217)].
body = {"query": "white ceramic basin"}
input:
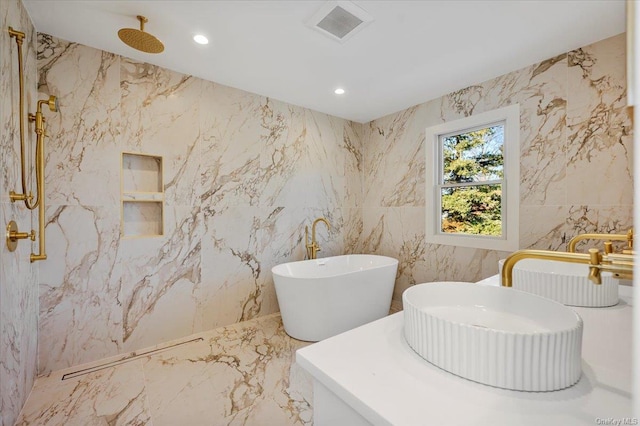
[(494, 335), (564, 282)]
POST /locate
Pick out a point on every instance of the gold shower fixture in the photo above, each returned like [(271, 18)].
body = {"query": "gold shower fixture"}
[(139, 39), (14, 196), (13, 235), (39, 120)]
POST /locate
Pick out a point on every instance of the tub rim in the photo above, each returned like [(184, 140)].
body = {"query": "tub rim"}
[(391, 261)]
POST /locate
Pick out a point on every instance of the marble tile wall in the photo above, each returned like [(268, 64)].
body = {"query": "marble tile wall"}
[(18, 277), (575, 165), (243, 175)]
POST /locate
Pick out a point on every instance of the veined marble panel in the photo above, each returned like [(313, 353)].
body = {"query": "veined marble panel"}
[(544, 227), (240, 247), (543, 133), (159, 281), (326, 161), (541, 92), (398, 232), (18, 317), (263, 152), (82, 159), (234, 127), (354, 164), (18, 277), (80, 307), (600, 139), (284, 156), (160, 116), (352, 229), (598, 219), (231, 269), (394, 164)]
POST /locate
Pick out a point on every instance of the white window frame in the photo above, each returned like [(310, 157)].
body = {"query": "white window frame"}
[(509, 241)]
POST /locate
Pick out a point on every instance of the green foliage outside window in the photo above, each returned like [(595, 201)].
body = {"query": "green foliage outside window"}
[(473, 157)]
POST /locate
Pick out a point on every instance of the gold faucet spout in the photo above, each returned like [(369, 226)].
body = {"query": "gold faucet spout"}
[(619, 264), (509, 263), (313, 227), (313, 248), (628, 237)]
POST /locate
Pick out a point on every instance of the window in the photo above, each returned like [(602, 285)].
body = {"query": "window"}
[(472, 181)]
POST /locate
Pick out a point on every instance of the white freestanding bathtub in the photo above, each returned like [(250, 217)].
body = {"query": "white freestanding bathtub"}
[(320, 298)]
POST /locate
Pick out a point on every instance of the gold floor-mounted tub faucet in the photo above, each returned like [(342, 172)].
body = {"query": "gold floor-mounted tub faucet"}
[(313, 248)]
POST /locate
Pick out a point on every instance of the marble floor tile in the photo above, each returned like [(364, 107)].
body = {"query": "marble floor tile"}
[(113, 396), (243, 374), (237, 375)]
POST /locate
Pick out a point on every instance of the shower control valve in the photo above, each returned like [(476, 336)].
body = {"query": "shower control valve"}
[(13, 235)]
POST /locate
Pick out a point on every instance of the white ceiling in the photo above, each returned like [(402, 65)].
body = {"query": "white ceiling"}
[(412, 52)]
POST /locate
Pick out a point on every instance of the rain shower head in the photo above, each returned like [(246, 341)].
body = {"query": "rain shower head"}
[(139, 39)]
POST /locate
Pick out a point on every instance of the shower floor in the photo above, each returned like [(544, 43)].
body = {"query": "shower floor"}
[(243, 374)]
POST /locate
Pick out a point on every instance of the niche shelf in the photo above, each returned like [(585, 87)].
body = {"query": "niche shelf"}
[(142, 196)]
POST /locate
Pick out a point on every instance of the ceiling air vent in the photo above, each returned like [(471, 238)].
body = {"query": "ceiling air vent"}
[(339, 20)]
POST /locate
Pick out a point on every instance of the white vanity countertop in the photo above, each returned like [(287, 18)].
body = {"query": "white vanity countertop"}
[(372, 369)]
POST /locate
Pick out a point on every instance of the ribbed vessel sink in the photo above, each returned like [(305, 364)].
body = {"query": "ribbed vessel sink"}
[(563, 282), (494, 335)]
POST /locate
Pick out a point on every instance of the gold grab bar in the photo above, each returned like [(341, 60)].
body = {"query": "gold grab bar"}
[(39, 120)]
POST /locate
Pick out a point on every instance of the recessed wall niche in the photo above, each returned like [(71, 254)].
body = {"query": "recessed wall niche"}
[(142, 196)]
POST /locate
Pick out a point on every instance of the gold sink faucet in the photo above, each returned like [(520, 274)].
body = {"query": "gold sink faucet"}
[(628, 237), (313, 248), (619, 264)]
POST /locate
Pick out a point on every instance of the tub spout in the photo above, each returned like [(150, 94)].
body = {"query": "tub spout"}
[(313, 248)]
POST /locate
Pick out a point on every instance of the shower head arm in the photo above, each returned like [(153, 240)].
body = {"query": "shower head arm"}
[(52, 102), (143, 21)]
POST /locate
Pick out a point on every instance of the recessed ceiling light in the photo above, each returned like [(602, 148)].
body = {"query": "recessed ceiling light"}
[(339, 91), (200, 39)]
